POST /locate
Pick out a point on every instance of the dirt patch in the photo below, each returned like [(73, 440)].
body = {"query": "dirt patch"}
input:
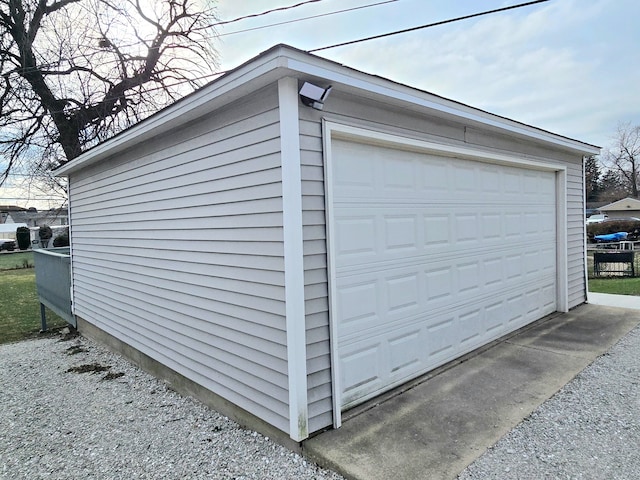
[(113, 375), (76, 349), (69, 336), (89, 368)]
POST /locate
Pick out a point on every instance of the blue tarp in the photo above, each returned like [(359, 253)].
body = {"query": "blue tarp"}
[(612, 237)]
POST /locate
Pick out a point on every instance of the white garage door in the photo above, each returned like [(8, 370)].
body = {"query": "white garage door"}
[(432, 257)]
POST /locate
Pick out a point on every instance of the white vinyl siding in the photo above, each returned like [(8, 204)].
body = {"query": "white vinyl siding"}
[(178, 252), (575, 235)]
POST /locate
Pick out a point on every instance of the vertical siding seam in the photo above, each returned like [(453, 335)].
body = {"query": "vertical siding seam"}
[(293, 257)]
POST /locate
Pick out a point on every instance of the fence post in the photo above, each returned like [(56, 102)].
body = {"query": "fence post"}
[(43, 318)]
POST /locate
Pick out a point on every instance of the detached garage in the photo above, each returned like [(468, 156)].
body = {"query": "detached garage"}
[(285, 263)]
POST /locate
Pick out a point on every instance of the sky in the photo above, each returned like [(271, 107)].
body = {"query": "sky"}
[(571, 67), (568, 66)]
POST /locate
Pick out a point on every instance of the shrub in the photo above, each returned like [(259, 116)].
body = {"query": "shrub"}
[(45, 232), (632, 227), (61, 240), (23, 237)]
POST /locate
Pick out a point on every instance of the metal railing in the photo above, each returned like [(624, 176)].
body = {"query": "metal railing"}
[(613, 259), (53, 283)]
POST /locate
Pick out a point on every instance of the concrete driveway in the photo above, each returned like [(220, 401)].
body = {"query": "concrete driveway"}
[(443, 422)]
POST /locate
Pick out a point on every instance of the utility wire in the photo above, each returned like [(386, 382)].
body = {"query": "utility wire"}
[(363, 40), (70, 59), (253, 15), (306, 18), (374, 37)]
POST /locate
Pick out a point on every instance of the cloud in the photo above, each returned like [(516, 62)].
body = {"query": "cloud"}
[(569, 66), (546, 67)]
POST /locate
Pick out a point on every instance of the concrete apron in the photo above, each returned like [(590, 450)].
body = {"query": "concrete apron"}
[(438, 427)]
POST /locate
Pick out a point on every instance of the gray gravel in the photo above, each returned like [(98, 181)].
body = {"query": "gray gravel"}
[(588, 430), (57, 424)]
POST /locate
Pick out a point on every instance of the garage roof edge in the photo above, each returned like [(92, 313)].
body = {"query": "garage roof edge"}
[(283, 60)]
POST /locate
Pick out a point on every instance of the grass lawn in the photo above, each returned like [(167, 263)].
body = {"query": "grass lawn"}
[(10, 261), (618, 286), (614, 285), (19, 306)]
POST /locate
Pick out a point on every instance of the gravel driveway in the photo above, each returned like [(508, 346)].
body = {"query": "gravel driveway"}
[(116, 422), (588, 430)]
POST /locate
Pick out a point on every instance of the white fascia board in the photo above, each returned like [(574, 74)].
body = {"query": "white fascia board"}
[(226, 89), (585, 291), (335, 74)]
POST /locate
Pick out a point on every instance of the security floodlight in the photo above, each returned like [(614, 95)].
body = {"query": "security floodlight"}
[(313, 96)]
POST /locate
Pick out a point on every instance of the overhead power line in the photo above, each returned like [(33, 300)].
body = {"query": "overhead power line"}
[(253, 15), (306, 18), (210, 37), (443, 22), (412, 29)]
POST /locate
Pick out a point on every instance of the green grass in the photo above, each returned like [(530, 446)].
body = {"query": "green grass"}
[(614, 285), (19, 305), (618, 286), (11, 261)]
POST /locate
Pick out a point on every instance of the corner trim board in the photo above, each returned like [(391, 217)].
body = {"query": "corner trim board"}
[(293, 258)]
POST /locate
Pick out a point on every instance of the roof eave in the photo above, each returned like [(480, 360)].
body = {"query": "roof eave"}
[(283, 60), (235, 84)]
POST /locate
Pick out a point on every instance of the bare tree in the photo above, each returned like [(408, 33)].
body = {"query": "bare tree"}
[(74, 72), (624, 157)]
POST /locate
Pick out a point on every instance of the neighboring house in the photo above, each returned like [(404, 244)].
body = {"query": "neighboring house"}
[(285, 263), (8, 230), (627, 207), (56, 218), (34, 218)]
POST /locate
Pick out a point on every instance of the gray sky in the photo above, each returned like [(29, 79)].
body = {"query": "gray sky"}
[(568, 66)]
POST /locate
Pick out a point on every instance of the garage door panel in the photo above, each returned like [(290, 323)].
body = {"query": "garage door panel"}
[(355, 236), (378, 234), (402, 293), (404, 352), (432, 258), (358, 304), (453, 273), (375, 303), (436, 180), (400, 233), (359, 370), (387, 360), (392, 173)]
